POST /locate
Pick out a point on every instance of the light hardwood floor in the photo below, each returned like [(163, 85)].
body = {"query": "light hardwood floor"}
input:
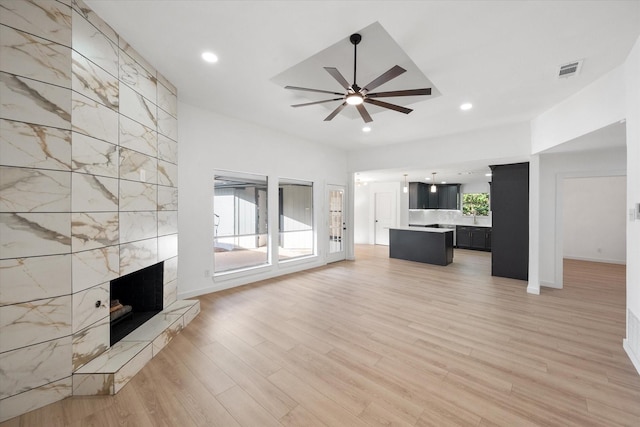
[(387, 342)]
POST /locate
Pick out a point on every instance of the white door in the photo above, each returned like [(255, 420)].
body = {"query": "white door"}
[(337, 224), (385, 216)]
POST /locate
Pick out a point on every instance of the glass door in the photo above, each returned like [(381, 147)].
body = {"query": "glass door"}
[(337, 224)]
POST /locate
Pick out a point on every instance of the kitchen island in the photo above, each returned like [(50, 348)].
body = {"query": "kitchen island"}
[(422, 244)]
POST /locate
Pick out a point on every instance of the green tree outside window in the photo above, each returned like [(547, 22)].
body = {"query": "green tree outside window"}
[(475, 203)]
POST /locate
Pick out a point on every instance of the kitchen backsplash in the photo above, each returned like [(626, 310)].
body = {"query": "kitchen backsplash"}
[(443, 216)]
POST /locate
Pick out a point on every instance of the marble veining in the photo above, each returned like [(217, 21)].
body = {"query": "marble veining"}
[(135, 136), (93, 230), (94, 156), (166, 83), (93, 45), (136, 77), (33, 366), (34, 146), (93, 384), (29, 56), (170, 293), (47, 19), (131, 52), (88, 14), (137, 107), (34, 234), (92, 193), (93, 119), (138, 255), (34, 398), (132, 165), (34, 190), (167, 247), (93, 82), (124, 375), (33, 322), (138, 196), (167, 149), (90, 268), (138, 226), (27, 279), (167, 174), (167, 198), (85, 312), (170, 270), (167, 222), (167, 100), (35, 102), (90, 343), (167, 125)]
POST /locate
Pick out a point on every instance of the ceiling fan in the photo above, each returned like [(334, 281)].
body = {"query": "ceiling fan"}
[(356, 95)]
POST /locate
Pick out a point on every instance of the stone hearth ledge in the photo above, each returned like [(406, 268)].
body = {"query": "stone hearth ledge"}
[(109, 372)]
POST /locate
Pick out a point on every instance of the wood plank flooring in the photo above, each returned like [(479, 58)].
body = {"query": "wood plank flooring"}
[(385, 342)]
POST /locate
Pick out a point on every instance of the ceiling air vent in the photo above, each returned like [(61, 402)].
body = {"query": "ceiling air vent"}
[(569, 69)]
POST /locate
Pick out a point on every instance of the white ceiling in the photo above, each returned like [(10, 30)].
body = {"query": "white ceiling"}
[(502, 56)]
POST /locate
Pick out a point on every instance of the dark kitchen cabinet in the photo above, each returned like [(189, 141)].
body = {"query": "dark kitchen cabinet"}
[(469, 237), (418, 197), (510, 218), (446, 197)]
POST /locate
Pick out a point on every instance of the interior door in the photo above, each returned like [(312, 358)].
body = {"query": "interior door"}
[(385, 216), (337, 224)]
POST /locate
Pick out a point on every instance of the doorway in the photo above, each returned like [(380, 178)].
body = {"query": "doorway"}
[(337, 223), (385, 216)]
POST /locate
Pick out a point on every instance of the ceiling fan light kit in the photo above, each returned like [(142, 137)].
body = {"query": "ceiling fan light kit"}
[(357, 96)]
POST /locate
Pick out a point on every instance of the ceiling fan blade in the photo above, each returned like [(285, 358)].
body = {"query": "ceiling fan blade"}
[(409, 92), (335, 112), (394, 72), (389, 106), (318, 102), (313, 90), (364, 113), (339, 77)]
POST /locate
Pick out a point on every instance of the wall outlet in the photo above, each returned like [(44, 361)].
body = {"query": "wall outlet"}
[(206, 273)]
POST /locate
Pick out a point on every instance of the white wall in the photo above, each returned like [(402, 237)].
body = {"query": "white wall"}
[(209, 142), (364, 225), (594, 219)]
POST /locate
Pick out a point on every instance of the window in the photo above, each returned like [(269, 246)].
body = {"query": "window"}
[(475, 204), (295, 219), (240, 221)]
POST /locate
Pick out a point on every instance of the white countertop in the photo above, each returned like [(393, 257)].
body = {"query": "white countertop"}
[(427, 229), (454, 225)]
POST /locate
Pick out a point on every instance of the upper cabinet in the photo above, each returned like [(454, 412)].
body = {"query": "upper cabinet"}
[(447, 196)]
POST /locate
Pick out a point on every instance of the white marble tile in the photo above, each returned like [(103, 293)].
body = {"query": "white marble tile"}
[(34, 190), (94, 45), (138, 196), (137, 255), (35, 102), (90, 268), (93, 384), (86, 310), (180, 307), (167, 174), (94, 156), (137, 107), (113, 360), (155, 326), (128, 371), (33, 322), (93, 82), (167, 84), (170, 293), (137, 78), (34, 146), (167, 125), (93, 230), (48, 19), (167, 247), (137, 137), (167, 149), (29, 56), (94, 119), (167, 222), (191, 313), (167, 335), (34, 234), (167, 198), (92, 193), (35, 365), (34, 398), (170, 270), (90, 342), (167, 100), (27, 279), (138, 226), (136, 166), (129, 50), (88, 14)]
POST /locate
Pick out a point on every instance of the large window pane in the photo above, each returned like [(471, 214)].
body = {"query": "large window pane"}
[(295, 219), (240, 221)]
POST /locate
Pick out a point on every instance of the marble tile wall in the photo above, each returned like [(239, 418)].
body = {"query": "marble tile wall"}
[(88, 190)]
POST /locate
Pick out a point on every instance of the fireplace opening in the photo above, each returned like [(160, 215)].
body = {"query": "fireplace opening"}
[(135, 298)]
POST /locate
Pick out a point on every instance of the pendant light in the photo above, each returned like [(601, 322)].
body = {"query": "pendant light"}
[(405, 189), (434, 189)]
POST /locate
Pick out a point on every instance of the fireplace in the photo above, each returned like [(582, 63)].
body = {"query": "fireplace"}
[(135, 298)]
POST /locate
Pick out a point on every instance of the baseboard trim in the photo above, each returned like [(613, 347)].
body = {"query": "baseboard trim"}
[(605, 261), (632, 356)]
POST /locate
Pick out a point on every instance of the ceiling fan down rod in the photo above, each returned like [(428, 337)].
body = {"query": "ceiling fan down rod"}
[(355, 39)]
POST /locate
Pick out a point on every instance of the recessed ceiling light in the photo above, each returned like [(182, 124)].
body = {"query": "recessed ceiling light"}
[(443, 182), (428, 179), (488, 174), (366, 129), (466, 106), (210, 57)]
